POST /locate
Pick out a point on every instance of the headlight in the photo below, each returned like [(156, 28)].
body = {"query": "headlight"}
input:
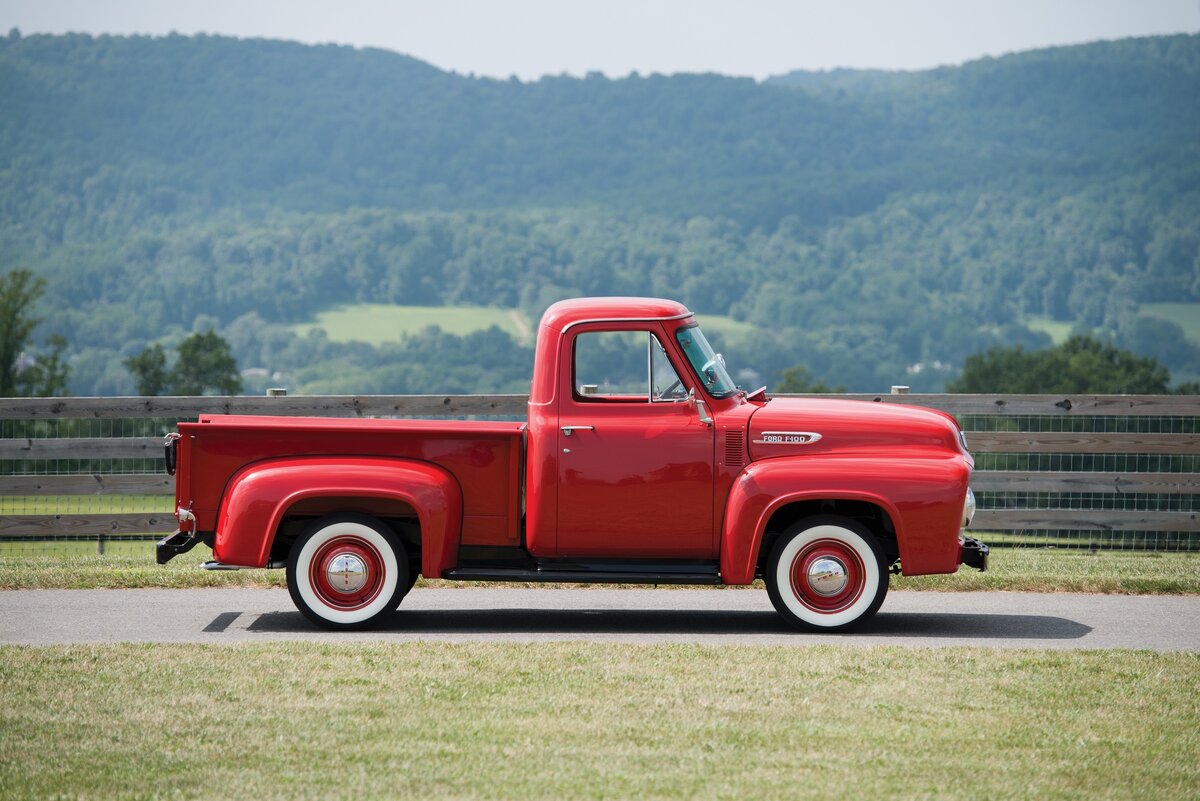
[(968, 508)]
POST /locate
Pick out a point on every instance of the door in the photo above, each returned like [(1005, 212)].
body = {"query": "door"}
[(635, 461)]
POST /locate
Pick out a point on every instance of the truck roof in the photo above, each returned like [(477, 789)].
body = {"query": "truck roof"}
[(566, 313)]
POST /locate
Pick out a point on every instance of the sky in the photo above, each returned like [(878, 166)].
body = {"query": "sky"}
[(532, 38)]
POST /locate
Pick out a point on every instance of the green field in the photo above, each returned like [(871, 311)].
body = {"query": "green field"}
[(1185, 315), (377, 323), (1057, 330), (75, 565), (581, 720), (84, 504), (733, 330)]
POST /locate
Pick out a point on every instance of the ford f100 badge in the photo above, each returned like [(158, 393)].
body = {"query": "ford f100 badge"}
[(788, 438)]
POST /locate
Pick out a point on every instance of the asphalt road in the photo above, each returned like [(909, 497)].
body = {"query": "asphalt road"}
[(918, 619)]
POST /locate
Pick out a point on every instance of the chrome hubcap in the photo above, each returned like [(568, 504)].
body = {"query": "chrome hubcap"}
[(347, 573), (827, 576)]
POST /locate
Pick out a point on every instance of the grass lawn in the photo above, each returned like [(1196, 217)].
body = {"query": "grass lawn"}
[(377, 323), (1185, 315), (1052, 570), (733, 330), (84, 504), (75, 565), (1057, 330), (580, 720)]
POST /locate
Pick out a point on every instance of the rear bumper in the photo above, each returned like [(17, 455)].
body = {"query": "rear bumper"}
[(172, 545), (973, 553)]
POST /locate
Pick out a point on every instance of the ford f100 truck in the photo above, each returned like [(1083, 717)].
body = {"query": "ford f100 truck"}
[(640, 462)]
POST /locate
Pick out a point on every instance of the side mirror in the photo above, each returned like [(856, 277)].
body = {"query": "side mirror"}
[(701, 409)]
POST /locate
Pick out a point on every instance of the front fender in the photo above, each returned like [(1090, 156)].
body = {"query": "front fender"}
[(922, 496), (259, 495)]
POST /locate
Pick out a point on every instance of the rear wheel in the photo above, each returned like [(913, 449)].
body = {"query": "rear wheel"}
[(345, 571), (826, 574)]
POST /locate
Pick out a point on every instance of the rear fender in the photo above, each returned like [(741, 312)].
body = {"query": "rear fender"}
[(922, 497), (259, 496)]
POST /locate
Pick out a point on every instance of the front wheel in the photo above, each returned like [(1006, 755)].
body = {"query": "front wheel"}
[(826, 574), (345, 571)]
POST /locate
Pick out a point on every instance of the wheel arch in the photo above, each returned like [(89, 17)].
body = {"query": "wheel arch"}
[(261, 496), (764, 502), (873, 514), (389, 510)]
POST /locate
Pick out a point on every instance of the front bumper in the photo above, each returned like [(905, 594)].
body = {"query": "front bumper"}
[(973, 553), (173, 545)]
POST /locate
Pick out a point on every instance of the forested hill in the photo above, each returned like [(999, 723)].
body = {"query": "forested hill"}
[(205, 122), (868, 221)]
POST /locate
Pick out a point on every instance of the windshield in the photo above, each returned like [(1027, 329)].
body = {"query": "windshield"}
[(708, 364)]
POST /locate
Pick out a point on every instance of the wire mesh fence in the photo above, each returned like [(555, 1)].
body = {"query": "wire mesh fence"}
[(71, 547), (86, 475), (1131, 482)]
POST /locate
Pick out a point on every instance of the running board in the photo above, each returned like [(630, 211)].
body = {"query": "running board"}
[(581, 576)]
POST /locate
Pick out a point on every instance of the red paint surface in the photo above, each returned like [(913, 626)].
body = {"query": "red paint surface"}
[(921, 494), (640, 482), (260, 495)]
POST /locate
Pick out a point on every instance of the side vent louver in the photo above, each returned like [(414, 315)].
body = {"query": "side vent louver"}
[(735, 448)]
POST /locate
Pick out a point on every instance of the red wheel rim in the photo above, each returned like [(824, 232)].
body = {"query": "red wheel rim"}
[(337, 597), (841, 553)]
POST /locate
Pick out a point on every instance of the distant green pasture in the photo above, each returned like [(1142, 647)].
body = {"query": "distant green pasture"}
[(1185, 315), (377, 323), (1057, 330), (733, 330), (84, 504)]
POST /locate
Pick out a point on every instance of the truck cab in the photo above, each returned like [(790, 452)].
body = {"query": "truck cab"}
[(641, 461)]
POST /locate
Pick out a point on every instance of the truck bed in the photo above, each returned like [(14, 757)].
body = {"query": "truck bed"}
[(485, 457)]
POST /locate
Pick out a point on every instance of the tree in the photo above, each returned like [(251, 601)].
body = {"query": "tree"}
[(1079, 365), (19, 291), (798, 380), (47, 375), (149, 370), (203, 364)]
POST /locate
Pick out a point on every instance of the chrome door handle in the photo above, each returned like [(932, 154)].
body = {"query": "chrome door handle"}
[(568, 430)]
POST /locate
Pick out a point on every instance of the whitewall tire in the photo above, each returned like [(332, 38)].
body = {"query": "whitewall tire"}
[(347, 570), (826, 574)]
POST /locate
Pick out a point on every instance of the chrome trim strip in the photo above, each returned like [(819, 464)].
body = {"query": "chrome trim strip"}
[(788, 438)]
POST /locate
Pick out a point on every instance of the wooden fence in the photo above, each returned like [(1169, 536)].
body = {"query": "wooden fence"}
[(1108, 465)]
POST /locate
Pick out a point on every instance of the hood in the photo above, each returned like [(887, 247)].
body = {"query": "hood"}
[(810, 426)]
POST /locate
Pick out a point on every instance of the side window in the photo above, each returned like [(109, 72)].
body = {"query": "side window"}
[(624, 366)]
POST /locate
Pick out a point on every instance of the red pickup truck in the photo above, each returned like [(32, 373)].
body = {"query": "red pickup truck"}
[(641, 462)]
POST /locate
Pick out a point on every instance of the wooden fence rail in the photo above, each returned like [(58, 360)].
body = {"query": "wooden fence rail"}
[(1179, 515)]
